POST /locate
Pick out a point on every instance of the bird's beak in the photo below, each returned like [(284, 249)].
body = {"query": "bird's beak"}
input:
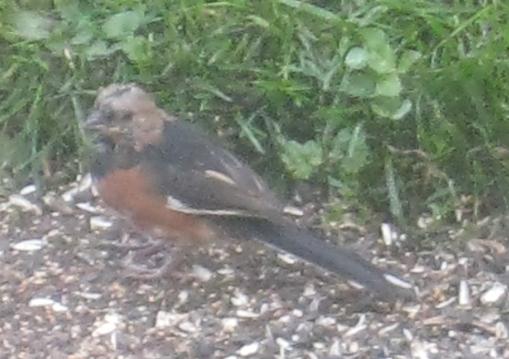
[(94, 120)]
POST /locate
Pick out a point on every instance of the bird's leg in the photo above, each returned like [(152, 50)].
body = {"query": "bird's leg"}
[(120, 236), (147, 257), (153, 261)]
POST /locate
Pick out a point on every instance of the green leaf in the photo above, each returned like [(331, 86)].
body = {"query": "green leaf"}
[(31, 25), (407, 59), (302, 160), (391, 107), (358, 84), (84, 35), (375, 39), (389, 85), (98, 49), (350, 149), (381, 55), (69, 10), (136, 48), (357, 58), (122, 24), (405, 108)]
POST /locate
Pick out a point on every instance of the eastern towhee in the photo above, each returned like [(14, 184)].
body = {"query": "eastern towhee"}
[(172, 180)]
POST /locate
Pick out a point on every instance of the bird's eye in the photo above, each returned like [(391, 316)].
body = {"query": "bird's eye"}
[(108, 114)]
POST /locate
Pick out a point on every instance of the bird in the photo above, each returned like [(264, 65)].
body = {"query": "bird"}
[(175, 181)]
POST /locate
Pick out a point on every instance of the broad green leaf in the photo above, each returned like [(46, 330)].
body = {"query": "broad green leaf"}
[(391, 107), (389, 85), (381, 55), (407, 59), (358, 84), (375, 39), (135, 47), (122, 24), (69, 10), (98, 49), (357, 58), (31, 25), (85, 33), (302, 159), (405, 108), (350, 149)]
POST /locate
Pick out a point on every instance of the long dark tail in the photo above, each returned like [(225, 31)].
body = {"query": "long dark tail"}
[(305, 245)]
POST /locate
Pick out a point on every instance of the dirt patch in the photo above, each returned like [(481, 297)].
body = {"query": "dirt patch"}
[(64, 294)]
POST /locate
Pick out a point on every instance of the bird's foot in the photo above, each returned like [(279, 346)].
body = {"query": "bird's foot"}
[(152, 261)]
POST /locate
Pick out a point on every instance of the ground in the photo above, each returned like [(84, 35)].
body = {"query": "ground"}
[(65, 294)]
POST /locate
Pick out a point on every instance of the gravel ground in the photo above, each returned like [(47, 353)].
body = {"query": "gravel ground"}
[(65, 294)]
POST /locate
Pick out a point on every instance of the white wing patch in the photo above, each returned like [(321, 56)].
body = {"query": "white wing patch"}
[(220, 176), (293, 211), (179, 206), (234, 165), (173, 203)]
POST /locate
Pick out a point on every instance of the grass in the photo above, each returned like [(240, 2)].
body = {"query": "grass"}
[(399, 107)]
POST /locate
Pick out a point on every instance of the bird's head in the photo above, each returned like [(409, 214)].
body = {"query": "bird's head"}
[(123, 113)]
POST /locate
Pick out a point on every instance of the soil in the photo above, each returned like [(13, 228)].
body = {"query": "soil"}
[(65, 293)]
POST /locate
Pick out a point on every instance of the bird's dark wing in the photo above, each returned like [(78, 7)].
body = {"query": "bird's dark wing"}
[(198, 175)]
